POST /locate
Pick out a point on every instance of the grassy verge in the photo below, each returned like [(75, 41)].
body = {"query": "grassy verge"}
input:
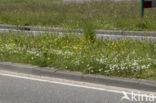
[(12, 1), (125, 58), (104, 15)]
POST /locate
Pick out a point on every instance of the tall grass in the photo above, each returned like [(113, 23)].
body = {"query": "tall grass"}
[(89, 32), (104, 15), (11, 1)]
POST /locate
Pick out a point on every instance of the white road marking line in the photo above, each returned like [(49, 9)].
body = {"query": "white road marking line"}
[(55, 82), (64, 83)]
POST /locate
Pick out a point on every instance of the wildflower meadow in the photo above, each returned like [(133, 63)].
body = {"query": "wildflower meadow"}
[(126, 58)]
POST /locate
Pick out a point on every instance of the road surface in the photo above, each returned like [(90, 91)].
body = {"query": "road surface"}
[(15, 88)]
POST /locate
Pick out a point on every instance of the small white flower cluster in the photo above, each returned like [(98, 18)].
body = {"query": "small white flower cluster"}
[(132, 65), (10, 48), (60, 52)]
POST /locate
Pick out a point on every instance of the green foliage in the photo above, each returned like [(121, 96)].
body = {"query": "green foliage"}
[(104, 15), (6, 1), (89, 32), (126, 58)]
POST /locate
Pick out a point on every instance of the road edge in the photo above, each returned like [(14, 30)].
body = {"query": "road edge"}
[(58, 29), (139, 84)]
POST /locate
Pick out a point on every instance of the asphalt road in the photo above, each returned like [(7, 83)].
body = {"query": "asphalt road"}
[(14, 89)]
